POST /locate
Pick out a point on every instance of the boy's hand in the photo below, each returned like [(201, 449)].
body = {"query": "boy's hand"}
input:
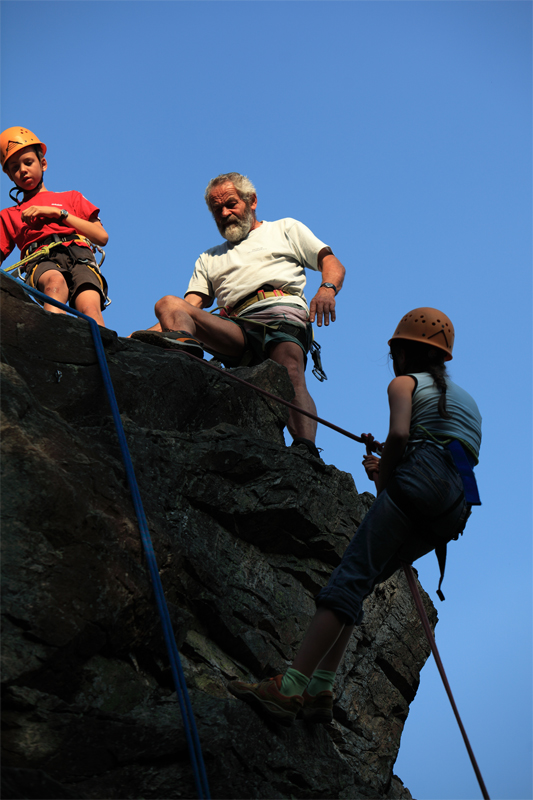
[(371, 465), (34, 213)]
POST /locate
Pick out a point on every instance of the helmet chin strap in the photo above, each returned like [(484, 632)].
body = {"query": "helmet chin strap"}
[(17, 191), (15, 198)]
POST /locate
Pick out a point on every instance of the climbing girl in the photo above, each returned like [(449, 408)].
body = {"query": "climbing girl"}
[(425, 489)]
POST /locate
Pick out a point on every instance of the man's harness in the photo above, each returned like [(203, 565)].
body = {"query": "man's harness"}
[(304, 334)]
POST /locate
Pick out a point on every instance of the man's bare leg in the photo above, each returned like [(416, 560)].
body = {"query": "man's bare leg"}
[(175, 314), (290, 355)]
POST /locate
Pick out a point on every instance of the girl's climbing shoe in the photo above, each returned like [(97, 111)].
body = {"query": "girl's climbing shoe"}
[(317, 708), (266, 698), (171, 340)]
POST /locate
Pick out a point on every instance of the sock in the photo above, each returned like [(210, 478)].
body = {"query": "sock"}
[(321, 681), (293, 682)]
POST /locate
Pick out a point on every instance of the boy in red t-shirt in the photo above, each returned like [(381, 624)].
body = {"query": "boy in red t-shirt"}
[(69, 271)]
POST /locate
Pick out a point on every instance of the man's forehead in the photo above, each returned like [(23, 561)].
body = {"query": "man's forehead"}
[(222, 193)]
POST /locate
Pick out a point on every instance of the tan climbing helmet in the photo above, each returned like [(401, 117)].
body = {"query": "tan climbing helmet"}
[(13, 139), (427, 325)]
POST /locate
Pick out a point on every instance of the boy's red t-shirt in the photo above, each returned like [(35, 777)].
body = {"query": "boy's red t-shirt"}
[(15, 232)]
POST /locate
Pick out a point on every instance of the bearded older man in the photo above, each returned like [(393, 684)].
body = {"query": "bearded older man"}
[(257, 278)]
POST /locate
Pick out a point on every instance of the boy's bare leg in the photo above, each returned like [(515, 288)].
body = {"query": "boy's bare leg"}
[(54, 285), (89, 302)]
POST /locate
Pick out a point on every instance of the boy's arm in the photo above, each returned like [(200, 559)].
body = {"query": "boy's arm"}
[(93, 230), (6, 242)]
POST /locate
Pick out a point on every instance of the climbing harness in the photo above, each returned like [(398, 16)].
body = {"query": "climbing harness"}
[(463, 462), (263, 293), (40, 250), (189, 723), (303, 333), (432, 643)]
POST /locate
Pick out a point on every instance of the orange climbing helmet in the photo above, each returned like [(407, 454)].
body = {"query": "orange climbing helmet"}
[(427, 325), (13, 139)]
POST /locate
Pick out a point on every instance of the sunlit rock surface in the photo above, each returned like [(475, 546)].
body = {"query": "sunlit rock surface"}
[(245, 531)]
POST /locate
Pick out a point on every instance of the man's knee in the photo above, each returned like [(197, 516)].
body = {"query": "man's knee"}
[(290, 355), (169, 304)]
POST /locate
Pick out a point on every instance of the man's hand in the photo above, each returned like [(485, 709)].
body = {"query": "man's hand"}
[(34, 213), (323, 306)]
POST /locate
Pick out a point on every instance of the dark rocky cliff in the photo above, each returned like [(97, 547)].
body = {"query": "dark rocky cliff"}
[(245, 531)]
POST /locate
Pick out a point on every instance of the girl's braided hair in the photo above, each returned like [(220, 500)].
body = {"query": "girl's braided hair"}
[(421, 357)]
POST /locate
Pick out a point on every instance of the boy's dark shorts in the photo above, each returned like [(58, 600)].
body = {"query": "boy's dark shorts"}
[(78, 267)]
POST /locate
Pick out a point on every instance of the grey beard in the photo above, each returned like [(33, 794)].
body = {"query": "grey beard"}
[(237, 231)]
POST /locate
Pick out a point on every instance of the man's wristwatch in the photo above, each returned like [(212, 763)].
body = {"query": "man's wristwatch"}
[(329, 286), (63, 214)]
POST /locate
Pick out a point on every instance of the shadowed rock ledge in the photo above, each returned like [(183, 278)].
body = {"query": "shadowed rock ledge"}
[(245, 531)]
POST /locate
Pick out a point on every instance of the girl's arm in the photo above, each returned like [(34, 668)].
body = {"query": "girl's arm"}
[(92, 230), (400, 393)]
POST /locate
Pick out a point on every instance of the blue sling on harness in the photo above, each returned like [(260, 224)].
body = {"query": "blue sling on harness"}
[(464, 463)]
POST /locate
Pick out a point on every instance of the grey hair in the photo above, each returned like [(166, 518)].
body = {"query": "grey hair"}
[(244, 186)]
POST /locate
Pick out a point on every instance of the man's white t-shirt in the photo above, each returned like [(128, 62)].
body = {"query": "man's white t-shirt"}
[(275, 253)]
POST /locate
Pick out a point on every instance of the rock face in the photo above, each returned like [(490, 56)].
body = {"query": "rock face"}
[(245, 531)]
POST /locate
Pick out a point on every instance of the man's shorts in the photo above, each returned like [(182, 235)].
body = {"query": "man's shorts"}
[(78, 267), (261, 337)]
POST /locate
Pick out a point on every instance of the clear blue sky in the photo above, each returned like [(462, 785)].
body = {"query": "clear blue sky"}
[(400, 133)]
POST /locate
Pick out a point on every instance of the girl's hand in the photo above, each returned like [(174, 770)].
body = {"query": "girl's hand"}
[(371, 465), (33, 213)]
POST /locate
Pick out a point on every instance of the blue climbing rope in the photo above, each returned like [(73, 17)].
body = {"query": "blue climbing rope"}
[(189, 723)]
